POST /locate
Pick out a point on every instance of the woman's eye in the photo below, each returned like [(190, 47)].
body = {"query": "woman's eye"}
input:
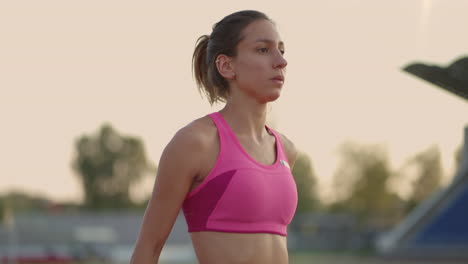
[(262, 50)]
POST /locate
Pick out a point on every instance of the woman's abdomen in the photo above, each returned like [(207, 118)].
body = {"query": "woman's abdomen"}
[(239, 248)]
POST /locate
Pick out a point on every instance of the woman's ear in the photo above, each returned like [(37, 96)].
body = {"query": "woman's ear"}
[(225, 66)]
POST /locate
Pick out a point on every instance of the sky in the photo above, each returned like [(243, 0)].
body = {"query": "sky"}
[(66, 67)]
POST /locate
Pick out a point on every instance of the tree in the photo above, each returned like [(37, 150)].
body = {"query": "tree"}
[(458, 157), (429, 175), (306, 184), (20, 201), (108, 164), (361, 185), (2, 209)]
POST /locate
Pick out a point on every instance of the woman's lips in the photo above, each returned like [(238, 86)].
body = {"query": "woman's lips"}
[(278, 81)]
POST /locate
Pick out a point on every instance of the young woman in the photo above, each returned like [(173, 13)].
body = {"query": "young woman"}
[(228, 171)]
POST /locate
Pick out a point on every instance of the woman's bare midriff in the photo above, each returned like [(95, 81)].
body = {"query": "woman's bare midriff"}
[(238, 248)]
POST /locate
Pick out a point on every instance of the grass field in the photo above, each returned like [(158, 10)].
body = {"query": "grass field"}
[(341, 258), (329, 258)]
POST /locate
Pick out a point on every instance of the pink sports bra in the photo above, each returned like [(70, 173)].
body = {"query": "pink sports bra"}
[(241, 195)]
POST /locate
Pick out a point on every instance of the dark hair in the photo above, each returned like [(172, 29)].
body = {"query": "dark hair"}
[(224, 38)]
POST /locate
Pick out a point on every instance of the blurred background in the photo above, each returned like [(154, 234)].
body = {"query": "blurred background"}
[(375, 99)]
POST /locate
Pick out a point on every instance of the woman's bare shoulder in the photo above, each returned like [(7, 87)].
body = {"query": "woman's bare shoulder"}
[(198, 133), (203, 126), (185, 154)]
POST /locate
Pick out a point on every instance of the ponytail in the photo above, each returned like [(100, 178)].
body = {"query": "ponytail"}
[(223, 40), (200, 63)]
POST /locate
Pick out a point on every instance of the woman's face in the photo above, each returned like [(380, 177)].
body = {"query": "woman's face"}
[(259, 65)]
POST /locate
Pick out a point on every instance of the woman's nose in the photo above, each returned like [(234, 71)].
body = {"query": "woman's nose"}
[(281, 62)]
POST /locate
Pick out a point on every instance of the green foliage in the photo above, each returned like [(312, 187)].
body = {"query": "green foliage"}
[(21, 201), (429, 175), (306, 184), (458, 157), (361, 185), (18, 201), (108, 164), (2, 209)]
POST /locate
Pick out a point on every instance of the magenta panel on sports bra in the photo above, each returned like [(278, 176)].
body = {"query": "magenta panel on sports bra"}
[(240, 195)]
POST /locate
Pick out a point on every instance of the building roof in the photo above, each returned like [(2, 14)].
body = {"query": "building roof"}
[(453, 78)]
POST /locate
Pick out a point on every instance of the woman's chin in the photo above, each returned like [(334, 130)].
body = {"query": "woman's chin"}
[(271, 97)]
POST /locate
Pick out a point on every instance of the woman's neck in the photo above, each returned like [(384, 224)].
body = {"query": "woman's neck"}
[(246, 118)]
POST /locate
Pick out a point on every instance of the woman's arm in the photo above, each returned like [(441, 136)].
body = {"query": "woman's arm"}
[(179, 164)]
